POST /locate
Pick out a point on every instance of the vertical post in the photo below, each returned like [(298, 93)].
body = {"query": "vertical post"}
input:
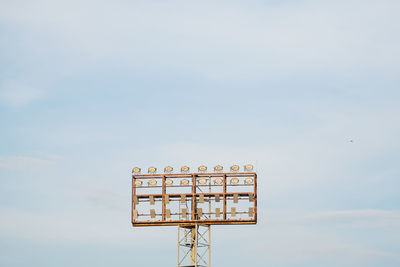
[(164, 191), (255, 196), (179, 244), (193, 246), (209, 246), (224, 206), (209, 199), (133, 194), (194, 200)]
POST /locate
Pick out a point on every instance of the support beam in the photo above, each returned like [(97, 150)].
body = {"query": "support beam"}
[(194, 248)]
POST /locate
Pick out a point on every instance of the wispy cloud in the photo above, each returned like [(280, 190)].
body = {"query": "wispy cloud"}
[(23, 163), (18, 94), (291, 36), (367, 218), (80, 226), (321, 237), (355, 218)]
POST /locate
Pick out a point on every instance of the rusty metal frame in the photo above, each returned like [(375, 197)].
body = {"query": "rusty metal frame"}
[(192, 197)]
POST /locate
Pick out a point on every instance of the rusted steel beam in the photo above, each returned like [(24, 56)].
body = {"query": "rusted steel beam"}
[(169, 223)]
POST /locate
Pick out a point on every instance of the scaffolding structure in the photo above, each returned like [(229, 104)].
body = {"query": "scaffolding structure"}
[(194, 246)]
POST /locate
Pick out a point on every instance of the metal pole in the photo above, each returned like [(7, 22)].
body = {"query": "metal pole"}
[(194, 244), (179, 238), (209, 246)]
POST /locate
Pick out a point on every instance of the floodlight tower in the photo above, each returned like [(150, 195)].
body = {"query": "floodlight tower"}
[(194, 202)]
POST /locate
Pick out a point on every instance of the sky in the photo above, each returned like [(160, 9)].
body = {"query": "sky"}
[(306, 90)]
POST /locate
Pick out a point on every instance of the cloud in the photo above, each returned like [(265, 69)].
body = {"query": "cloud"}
[(366, 218), (26, 163), (82, 225), (293, 245), (102, 198), (218, 38), (327, 237), (16, 94), (355, 218)]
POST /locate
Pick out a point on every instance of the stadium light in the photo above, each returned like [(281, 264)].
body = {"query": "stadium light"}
[(218, 181), (218, 168), (152, 182), (185, 169), (235, 168), (202, 181), (184, 182), (202, 168), (168, 169), (136, 170), (234, 181), (248, 181), (152, 170), (194, 202), (248, 167)]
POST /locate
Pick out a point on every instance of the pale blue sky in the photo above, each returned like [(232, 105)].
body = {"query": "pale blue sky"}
[(89, 89)]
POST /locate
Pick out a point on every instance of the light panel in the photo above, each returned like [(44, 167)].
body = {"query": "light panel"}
[(184, 182), (136, 170), (234, 181), (152, 170), (235, 168), (152, 182), (202, 168), (218, 181), (168, 213), (168, 169), (185, 169), (202, 181), (248, 167), (248, 181), (217, 212), (218, 168)]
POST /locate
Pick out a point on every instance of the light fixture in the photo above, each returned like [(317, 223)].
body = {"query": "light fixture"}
[(202, 168), (248, 167), (248, 181), (218, 168), (168, 169), (202, 181), (235, 168), (218, 181), (185, 169), (138, 183), (136, 170), (152, 182), (152, 169), (234, 180), (169, 182), (184, 182)]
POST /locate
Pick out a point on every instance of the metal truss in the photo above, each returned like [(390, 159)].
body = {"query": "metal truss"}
[(194, 248)]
